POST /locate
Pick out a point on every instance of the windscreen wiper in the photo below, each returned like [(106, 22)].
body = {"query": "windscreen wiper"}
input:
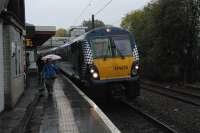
[(105, 54), (121, 55)]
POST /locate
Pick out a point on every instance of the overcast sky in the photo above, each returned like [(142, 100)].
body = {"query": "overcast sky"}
[(66, 13)]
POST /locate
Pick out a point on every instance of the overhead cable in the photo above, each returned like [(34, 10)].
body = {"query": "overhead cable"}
[(100, 10), (83, 11)]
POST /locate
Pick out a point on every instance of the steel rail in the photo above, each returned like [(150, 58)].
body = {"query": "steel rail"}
[(180, 98), (172, 90), (150, 118)]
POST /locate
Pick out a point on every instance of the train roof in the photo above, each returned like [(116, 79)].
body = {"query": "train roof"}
[(101, 31), (106, 31)]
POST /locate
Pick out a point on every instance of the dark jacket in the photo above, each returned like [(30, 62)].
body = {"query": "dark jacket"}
[(49, 71), (40, 64)]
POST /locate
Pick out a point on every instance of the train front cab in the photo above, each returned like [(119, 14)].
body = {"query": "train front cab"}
[(115, 62)]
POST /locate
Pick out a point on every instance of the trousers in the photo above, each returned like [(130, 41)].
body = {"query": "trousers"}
[(49, 85)]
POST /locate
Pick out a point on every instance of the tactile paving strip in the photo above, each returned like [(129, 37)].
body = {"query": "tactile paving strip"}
[(66, 119)]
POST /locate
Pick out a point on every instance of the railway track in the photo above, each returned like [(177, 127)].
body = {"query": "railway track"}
[(143, 122), (164, 127), (131, 118), (185, 96)]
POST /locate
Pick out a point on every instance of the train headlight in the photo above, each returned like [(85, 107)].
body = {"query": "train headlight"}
[(137, 67), (108, 30), (95, 75), (91, 70)]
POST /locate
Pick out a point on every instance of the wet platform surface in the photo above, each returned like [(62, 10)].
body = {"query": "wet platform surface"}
[(70, 111), (49, 123)]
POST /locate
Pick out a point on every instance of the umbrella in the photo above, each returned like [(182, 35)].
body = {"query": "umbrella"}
[(52, 57)]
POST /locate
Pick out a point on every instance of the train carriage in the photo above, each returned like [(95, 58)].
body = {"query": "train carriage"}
[(105, 56)]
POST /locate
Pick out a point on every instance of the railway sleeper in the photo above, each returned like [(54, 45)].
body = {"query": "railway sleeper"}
[(132, 90)]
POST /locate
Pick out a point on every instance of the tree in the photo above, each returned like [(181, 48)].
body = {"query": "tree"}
[(61, 32), (178, 30), (143, 25), (88, 23), (166, 33), (134, 22)]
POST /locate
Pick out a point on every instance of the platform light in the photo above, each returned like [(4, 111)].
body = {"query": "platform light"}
[(95, 75)]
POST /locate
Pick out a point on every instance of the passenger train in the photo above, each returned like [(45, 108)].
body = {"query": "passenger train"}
[(105, 56)]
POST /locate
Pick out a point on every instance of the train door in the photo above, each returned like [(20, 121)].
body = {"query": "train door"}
[(80, 58), (77, 58)]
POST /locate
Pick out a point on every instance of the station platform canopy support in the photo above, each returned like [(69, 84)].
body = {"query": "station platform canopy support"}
[(35, 37)]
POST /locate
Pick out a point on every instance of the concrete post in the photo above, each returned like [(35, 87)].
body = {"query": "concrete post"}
[(93, 23), (1, 68)]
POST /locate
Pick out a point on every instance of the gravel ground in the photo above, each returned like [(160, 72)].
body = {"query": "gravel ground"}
[(185, 118)]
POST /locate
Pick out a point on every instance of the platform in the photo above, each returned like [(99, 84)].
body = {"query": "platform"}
[(67, 68), (15, 120), (71, 111)]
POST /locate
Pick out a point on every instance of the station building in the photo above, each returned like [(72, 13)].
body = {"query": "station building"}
[(17, 38), (35, 37), (12, 30), (76, 31)]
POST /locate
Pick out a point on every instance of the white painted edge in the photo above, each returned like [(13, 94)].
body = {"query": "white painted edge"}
[(103, 117)]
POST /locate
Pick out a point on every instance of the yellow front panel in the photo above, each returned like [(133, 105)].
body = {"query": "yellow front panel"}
[(117, 67)]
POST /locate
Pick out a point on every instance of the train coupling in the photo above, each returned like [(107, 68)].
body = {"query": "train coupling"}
[(117, 91)]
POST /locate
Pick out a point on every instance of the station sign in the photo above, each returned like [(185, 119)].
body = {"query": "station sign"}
[(28, 42)]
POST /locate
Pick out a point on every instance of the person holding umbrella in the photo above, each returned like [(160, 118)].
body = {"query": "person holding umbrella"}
[(49, 73), (40, 64)]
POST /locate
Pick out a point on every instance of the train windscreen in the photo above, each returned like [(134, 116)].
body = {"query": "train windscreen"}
[(101, 47), (122, 46), (111, 47)]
